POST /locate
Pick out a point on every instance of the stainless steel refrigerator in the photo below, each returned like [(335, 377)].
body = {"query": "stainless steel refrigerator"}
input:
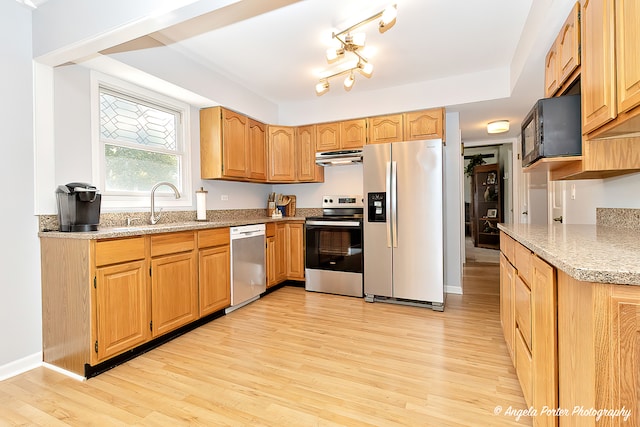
[(403, 227)]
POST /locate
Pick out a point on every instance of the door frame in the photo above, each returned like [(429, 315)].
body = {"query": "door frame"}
[(514, 178)]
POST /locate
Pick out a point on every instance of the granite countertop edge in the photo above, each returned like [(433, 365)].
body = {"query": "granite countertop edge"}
[(140, 230), (588, 253)]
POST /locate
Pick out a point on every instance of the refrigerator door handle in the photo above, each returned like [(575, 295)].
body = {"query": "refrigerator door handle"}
[(388, 203), (394, 204)]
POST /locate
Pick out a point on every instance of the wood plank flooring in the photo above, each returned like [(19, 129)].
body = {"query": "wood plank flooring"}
[(295, 358)]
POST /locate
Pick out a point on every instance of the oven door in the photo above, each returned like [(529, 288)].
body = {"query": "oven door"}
[(334, 245)]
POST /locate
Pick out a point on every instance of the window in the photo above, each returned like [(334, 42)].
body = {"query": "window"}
[(142, 140)]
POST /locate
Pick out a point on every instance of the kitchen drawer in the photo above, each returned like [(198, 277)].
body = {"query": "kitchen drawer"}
[(270, 229), (524, 368), (523, 310), (524, 262), (115, 251), (507, 246), (172, 243), (214, 237)]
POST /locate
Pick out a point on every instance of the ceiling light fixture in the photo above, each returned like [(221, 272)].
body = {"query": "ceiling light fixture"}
[(352, 43), (498, 126)]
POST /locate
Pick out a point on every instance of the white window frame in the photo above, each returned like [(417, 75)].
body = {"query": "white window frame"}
[(118, 201)]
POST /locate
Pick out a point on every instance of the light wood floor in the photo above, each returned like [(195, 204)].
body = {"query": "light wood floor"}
[(295, 358)]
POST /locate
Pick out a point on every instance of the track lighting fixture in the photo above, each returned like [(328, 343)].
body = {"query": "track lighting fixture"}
[(352, 43)]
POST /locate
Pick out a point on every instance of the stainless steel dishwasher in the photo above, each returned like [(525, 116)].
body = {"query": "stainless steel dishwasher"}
[(248, 271)]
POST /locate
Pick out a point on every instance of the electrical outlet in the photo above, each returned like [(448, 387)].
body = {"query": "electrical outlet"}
[(573, 191), (224, 197)]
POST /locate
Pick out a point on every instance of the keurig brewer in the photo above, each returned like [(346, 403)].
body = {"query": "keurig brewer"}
[(78, 207)]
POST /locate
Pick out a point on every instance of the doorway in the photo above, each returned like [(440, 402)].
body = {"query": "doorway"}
[(501, 155)]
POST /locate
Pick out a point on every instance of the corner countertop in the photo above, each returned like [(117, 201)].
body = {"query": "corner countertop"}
[(139, 230), (589, 253)]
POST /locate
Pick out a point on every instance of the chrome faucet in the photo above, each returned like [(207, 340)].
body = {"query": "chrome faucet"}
[(155, 218)]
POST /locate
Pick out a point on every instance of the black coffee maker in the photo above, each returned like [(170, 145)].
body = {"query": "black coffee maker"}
[(78, 207)]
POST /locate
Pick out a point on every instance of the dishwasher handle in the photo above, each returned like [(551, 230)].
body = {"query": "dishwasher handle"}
[(246, 234)]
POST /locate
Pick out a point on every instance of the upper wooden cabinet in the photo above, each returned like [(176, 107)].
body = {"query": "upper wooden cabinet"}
[(598, 64), (282, 164), (551, 72), (425, 124), (353, 134), (564, 56), (307, 170), (385, 129), (349, 135), (232, 146), (327, 136), (610, 76), (610, 93), (257, 151), (628, 54)]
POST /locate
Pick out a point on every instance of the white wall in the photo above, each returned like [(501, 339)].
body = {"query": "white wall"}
[(453, 206), (73, 151), (72, 133), (20, 307), (338, 180)]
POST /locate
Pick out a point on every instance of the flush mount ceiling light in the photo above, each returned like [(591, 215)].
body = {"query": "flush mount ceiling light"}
[(498, 126), (353, 43)]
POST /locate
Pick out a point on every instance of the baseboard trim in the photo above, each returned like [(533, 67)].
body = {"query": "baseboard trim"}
[(453, 290), (20, 366), (64, 371)]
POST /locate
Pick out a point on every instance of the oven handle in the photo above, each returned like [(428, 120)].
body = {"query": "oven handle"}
[(335, 223)]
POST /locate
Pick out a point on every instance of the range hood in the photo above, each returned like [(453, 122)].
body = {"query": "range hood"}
[(339, 158)]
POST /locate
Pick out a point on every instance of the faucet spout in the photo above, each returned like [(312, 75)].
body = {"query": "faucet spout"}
[(156, 217)]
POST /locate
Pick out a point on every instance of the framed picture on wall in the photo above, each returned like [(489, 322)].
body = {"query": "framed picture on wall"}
[(491, 178), (492, 213)]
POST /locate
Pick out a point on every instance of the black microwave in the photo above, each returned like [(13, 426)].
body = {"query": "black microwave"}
[(552, 129)]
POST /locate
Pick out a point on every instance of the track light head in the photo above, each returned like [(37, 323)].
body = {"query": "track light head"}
[(388, 18), (366, 69), (349, 81), (322, 87)]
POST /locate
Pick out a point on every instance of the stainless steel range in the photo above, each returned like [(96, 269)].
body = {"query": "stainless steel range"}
[(334, 259)]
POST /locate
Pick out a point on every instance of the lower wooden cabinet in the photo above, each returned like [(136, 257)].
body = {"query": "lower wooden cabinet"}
[(122, 308), (281, 253), (102, 298), (174, 291), (214, 263), (174, 281), (598, 350), (271, 261), (295, 251), (507, 307), (284, 252), (528, 314)]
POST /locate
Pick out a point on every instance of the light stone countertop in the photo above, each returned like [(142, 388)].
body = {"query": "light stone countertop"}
[(138, 230), (589, 253)]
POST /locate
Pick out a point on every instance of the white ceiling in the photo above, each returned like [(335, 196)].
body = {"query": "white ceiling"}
[(279, 54)]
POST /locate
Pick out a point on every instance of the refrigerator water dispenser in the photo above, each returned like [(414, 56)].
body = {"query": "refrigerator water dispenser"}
[(377, 207)]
